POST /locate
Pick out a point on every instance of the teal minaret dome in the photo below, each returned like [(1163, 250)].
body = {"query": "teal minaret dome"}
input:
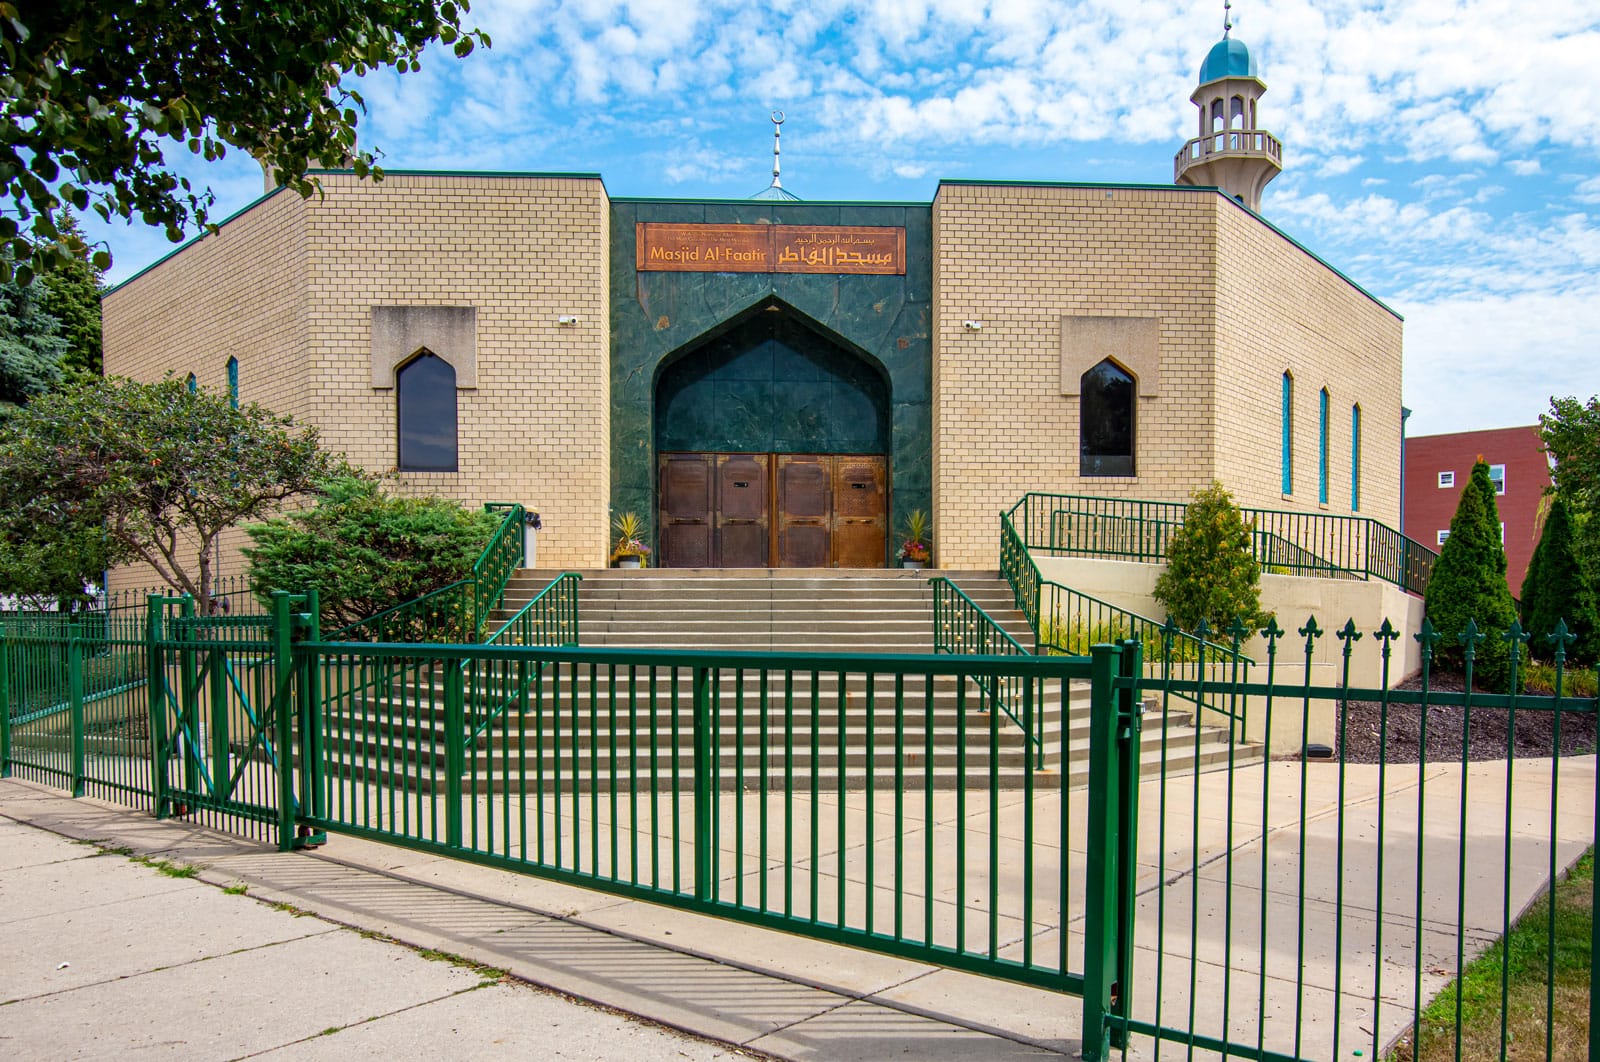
[(1227, 58), (1232, 152)]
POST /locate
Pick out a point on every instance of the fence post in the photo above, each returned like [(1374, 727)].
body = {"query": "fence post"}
[(216, 668), (5, 706), (155, 683), (455, 753), (283, 715), (1101, 933), (1130, 721), (705, 840), (189, 712), (75, 700), (313, 763)]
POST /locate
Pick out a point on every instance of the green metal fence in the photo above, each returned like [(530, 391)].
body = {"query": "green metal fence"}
[(459, 611), (834, 795), (1200, 893), (1287, 909), (1283, 542)]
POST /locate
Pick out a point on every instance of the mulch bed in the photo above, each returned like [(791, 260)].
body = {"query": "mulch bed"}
[(1485, 739)]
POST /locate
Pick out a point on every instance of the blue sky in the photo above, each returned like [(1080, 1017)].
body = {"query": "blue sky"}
[(1441, 154)]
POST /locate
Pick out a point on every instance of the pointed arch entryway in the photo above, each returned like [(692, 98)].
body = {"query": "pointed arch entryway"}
[(772, 439)]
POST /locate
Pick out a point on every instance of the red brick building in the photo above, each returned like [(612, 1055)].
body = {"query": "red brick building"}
[(1436, 468)]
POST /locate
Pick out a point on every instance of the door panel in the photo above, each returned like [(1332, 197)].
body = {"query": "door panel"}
[(736, 510), (743, 537), (859, 512), (803, 510), (686, 510)]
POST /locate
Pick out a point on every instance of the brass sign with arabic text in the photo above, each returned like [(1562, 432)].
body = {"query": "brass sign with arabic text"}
[(770, 248)]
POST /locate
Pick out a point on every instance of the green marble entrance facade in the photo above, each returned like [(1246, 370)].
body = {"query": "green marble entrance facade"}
[(770, 362)]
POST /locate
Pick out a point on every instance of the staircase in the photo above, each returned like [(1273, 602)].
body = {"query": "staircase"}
[(771, 611)]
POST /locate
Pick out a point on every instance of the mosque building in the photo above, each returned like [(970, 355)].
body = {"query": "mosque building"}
[(771, 382)]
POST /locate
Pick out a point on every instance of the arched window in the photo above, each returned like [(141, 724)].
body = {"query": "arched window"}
[(1217, 115), (1106, 426), (192, 384), (1355, 458), (425, 391), (1288, 434), (233, 382), (1322, 446)]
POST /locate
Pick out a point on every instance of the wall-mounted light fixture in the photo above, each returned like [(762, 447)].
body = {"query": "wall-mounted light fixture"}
[(972, 326), (567, 320)]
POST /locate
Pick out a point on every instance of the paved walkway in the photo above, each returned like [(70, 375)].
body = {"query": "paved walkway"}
[(149, 953)]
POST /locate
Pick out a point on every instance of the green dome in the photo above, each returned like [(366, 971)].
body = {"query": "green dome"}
[(1227, 58)]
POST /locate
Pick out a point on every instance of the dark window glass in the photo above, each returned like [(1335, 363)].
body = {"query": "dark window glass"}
[(426, 389), (233, 382), (1105, 414)]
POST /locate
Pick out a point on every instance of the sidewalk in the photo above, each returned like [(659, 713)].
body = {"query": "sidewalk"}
[(107, 956), (1234, 921)]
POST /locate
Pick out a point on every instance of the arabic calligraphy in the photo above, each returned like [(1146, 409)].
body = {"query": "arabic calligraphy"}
[(770, 249)]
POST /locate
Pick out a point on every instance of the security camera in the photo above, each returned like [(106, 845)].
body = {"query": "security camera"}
[(972, 326), (567, 320)]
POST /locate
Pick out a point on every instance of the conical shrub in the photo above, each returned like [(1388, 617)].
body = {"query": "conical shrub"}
[(1469, 583)]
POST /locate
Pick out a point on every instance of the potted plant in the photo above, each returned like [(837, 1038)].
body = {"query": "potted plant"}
[(914, 552), (630, 550)]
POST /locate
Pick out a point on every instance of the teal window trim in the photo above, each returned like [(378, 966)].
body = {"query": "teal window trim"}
[(1288, 433), (1322, 446), (233, 382), (192, 384), (1355, 458)]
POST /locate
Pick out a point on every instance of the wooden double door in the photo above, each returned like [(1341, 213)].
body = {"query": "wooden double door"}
[(739, 510)]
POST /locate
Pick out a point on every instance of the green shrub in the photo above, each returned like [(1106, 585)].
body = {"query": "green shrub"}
[(1211, 572), (365, 551), (1469, 584), (1556, 589)]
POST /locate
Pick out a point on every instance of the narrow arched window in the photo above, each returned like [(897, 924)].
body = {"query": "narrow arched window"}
[(1106, 426), (192, 384), (1322, 446), (425, 390), (1355, 458), (233, 382), (1288, 434)]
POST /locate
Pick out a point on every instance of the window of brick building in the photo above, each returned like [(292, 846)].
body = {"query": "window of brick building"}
[(426, 399), (1106, 428), (1447, 479)]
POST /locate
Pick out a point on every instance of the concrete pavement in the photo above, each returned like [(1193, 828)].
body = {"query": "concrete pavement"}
[(1219, 902)]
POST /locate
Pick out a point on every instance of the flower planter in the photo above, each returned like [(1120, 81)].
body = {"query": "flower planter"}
[(628, 562), (915, 565)]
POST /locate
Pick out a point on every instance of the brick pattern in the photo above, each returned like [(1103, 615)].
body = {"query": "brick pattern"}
[(1278, 309), (1018, 259), (288, 286), (1227, 289)]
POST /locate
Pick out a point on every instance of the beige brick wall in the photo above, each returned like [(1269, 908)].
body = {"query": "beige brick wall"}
[(1279, 309), (240, 292), (523, 251), (1019, 258), (288, 286), (1237, 303)]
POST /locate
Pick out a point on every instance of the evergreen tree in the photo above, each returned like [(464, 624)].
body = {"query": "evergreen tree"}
[(1211, 573), (31, 346), (1469, 583), (1556, 588), (72, 289)]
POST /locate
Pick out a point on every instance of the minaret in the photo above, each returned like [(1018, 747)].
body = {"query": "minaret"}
[(776, 190), (1232, 152)]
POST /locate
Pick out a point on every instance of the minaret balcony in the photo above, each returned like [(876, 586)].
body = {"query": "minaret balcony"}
[(1228, 143)]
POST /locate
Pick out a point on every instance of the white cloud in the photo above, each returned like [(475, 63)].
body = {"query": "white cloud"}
[(1523, 167)]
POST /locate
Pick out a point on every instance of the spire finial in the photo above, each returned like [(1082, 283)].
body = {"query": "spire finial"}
[(1227, 18), (777, 136)]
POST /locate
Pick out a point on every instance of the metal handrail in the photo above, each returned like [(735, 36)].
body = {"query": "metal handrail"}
[(977, 633), (1349, 546)]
